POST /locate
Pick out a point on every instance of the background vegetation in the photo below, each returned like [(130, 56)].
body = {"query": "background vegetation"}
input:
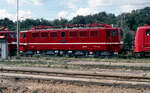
[(127, 21)]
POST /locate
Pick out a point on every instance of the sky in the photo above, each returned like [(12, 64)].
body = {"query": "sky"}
[(55, 9)]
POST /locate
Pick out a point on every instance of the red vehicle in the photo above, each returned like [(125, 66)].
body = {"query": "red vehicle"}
[(142, 40), (10, 36), (76, 40)]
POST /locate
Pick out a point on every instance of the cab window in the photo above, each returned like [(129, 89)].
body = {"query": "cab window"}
[(25, 35), (12, 35), (21, 35), (108, 33), (114, 32)]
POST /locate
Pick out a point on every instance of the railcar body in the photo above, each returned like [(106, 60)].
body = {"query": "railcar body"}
[(142, 40), (10, 37), (72, 41)]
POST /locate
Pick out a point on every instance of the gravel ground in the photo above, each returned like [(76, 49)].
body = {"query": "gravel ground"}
[(111, 63), (7, 86)]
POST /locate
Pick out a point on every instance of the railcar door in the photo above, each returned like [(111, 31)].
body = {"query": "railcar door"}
[(147, 39), (115, 36), (23, 38), (112, 39)]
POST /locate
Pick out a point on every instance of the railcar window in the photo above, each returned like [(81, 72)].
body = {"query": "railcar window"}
[(83, 33), (73, 34), (6, 34), (108, 33), (35, 35), (21, 35), (114, 32), (148, 32), (53, 34), (12, 35), (63, 34), (2, 34), (44, 34), (25, 35), (94, 34)]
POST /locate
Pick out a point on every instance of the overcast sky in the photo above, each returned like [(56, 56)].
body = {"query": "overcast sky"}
[(52, 9)]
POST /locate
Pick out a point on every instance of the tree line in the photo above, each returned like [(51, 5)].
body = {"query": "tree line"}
[(128, 21)]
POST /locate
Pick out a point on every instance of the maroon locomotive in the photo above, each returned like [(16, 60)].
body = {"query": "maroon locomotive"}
[(76, 40), (142, 40), (10, 37)]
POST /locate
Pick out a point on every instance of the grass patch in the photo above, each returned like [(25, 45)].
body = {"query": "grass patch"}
[(63, 63)]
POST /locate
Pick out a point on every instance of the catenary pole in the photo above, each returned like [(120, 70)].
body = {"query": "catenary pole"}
[(17, 27)]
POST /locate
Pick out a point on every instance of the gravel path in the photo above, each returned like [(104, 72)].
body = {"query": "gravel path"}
[(111, 63)]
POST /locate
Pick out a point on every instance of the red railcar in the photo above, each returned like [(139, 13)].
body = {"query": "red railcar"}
[(10, 37), (142, 40), (99, 39)]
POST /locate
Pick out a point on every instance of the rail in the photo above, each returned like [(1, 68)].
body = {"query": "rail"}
[(101, 78)]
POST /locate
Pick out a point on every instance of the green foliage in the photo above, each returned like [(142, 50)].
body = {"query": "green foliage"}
[(128, 41), (127, 21)]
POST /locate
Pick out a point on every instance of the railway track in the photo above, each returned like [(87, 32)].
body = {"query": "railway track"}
[(88, 77)]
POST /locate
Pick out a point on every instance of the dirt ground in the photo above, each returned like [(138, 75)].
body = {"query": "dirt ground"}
[(13, 86)]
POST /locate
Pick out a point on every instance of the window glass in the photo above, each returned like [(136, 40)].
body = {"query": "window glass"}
[(53, 34), (6, 34), (114, 32), (12, 35), (63, 34), (44, 34), (25, 35), (73, 34), (35, 35), (148, 32), (2, 34), (83, 33), (21, 35), (94, 34), (108, 33)]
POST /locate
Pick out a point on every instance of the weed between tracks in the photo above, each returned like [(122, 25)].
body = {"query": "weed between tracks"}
[(66, 63)]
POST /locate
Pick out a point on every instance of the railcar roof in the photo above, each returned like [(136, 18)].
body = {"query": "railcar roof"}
[(67, 29), (144, 27)]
